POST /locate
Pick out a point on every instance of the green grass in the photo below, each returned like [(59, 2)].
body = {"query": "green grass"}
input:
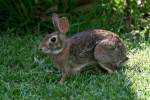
[(27, 74)]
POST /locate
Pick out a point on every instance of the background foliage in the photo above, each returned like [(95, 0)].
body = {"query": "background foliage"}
[(34, 16)]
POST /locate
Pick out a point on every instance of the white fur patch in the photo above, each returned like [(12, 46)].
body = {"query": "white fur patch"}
[(57, 51), (45, 50)]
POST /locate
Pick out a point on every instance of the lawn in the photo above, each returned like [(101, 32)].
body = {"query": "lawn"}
[(27, 74)]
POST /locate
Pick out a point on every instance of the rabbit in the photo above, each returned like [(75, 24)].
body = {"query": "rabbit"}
[(95, 46)]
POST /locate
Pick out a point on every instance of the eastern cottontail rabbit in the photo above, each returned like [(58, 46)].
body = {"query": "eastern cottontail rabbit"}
[(95, 46)]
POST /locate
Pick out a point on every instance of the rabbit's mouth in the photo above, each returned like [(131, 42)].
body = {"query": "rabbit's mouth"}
[(46, 50), (49, 51)]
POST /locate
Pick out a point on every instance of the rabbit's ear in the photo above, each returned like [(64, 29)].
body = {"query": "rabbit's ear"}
[(63, 25), (55, 20)]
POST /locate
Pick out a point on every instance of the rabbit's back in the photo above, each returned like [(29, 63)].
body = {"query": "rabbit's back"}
[(83, 44)]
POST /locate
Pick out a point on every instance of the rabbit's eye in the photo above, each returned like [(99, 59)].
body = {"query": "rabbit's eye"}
[(53, 39)]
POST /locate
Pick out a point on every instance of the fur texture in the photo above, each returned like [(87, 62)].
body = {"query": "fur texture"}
[(71, 55)]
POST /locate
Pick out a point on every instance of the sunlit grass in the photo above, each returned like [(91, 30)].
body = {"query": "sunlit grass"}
[(139, 71)]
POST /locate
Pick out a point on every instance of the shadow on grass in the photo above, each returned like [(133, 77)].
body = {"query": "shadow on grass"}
[(100, 86)]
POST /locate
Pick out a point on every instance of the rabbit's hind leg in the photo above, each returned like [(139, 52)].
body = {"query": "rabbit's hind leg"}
[(104, 55)]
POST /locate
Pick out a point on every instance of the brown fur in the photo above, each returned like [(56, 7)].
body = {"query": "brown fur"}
[(96, 46)]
